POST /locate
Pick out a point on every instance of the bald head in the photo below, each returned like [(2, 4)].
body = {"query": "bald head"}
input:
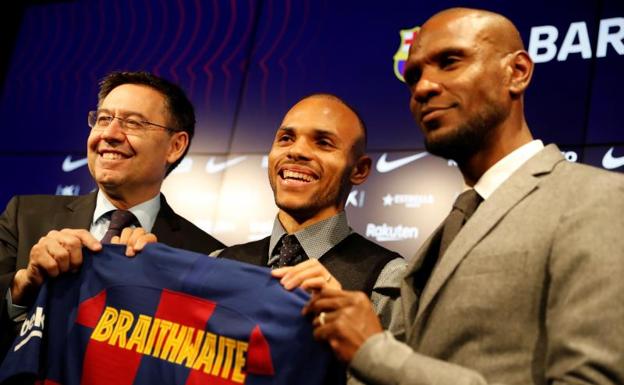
[(488, 27)]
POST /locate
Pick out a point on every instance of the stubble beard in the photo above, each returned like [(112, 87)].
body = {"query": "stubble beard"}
[(468, 138), (317, 202)]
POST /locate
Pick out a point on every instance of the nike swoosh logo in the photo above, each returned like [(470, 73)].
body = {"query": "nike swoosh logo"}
[(212, 167), (70, 165), (384, 165), (610, 162)]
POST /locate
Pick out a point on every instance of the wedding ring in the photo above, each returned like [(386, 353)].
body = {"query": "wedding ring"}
[(322, 318)]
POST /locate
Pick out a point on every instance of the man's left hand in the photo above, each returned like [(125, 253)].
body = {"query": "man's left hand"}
[(310, 275), (135, 240)]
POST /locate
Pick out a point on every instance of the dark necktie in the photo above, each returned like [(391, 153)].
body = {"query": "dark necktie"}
[(463, 208), (120, 219), (290, 252)]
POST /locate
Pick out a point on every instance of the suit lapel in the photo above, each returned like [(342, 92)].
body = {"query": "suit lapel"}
[(167, 225), (409, 296), (78, 214), (509, 194)]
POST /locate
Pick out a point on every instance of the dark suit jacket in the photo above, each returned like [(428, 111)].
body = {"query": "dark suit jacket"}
[(28, 218), (531, 290), (355, 262)]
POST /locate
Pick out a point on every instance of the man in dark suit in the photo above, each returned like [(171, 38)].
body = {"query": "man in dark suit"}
[(318, 154), (522, 283), (140, 132)]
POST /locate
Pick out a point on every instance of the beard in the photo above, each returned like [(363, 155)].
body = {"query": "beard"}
[(467, 139)]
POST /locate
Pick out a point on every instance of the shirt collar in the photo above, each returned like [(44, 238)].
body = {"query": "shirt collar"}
[(145, 212), (316, 239), (502, 170)]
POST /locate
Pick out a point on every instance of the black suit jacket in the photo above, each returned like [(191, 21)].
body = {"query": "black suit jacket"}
[(30, 217)]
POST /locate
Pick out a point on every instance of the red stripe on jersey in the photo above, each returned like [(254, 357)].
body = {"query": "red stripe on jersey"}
[(259, 354), (90, 310)]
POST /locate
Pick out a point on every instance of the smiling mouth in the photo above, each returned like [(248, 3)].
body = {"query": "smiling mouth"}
[(433, 113), (295, 176), (112, 156)]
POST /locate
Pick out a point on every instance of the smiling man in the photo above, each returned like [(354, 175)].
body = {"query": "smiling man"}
[(522, 283), (318, 154), (140, 132)]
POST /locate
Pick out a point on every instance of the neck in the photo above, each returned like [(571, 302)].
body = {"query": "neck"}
[(125, 202), (293, 223), (504, 141)]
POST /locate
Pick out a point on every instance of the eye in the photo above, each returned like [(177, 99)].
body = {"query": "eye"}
[(411, 76), (284, 137), (447, 62), (103, 120), (325, 143), (133, 124)]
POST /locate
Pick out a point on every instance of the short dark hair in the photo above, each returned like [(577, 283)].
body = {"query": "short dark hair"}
[(362, 144), (180, 108)]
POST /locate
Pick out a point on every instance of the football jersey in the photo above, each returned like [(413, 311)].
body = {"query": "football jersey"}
[(168, 316)]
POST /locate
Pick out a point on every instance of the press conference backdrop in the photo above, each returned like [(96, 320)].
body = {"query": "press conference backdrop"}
[(243, 63)]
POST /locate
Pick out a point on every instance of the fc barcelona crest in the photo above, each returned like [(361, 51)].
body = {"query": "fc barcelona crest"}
[(407, 36)]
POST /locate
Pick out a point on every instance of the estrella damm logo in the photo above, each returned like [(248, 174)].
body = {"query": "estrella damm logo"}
[(407, 36)]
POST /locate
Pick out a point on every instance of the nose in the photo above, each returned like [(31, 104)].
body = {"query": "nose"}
[(300, 149), (114, 131), (425, 88)]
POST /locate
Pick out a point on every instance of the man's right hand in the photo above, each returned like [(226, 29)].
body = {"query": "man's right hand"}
[(56, 253)]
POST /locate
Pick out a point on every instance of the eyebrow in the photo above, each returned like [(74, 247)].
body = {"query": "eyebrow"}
[(316, 131), (124, 113)]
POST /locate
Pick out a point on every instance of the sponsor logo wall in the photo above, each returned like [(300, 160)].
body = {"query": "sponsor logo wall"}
[(244, 63)]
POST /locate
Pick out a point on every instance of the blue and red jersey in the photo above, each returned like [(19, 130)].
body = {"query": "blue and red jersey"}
[(168, 316)]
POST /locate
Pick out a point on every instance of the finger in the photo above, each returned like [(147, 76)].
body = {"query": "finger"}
[(280, 271), (322, 300), (329, 299), (318, 283), (133, 237), (75, 258), (86, 238), (126, 235), (144, 240), (299, 274), (41, 259), (57, 252)]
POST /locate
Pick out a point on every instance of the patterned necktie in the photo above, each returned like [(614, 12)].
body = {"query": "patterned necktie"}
[(290, 252), (463, 208), (120, 219)]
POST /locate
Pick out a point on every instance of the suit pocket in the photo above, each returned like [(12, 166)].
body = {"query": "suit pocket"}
[(493, 262)]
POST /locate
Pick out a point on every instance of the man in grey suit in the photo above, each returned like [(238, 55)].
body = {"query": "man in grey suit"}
[(528, 289), (140, 132)]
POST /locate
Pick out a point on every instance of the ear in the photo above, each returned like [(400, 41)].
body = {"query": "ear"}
[(178, 143), (362, 169), (521, 69)]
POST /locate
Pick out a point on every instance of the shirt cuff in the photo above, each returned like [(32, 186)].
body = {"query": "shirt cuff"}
[(380, 359), (16, 312)]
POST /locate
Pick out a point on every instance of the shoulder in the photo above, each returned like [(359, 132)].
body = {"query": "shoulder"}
[(192, 231), (260, 246), (580, 182), (43, 203)]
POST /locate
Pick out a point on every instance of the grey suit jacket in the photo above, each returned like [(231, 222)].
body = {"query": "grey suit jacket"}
[(531, 291), (28, 218)]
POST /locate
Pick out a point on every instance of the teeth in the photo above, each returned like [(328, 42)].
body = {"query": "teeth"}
[(297, 175), (111, 155)]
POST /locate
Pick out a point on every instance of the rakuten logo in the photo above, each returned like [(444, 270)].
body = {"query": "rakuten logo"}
[(543, 40), (385, 233)]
